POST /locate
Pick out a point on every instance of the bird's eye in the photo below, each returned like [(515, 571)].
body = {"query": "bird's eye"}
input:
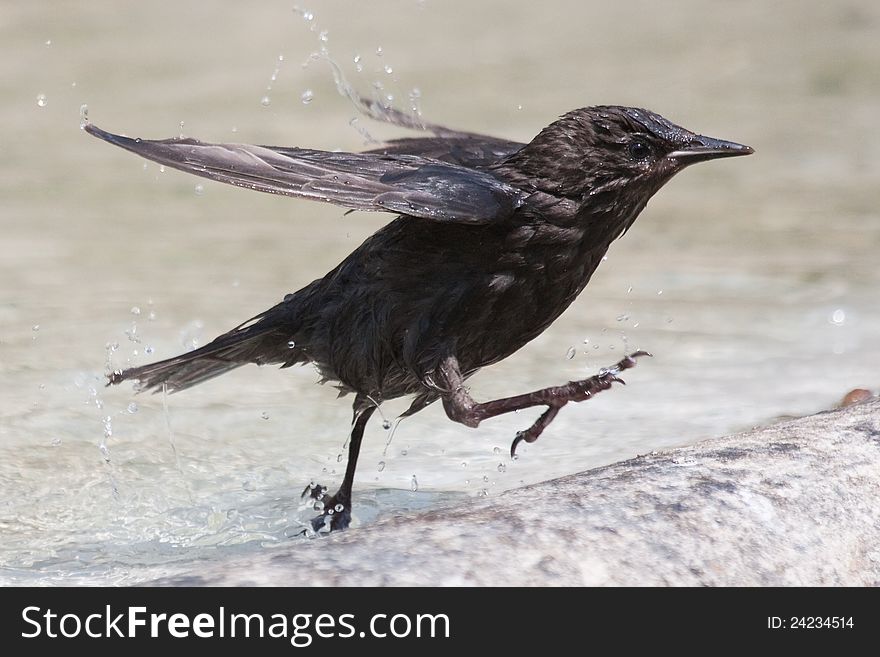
[(639, 149)]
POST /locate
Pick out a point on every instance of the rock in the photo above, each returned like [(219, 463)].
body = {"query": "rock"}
[(794, 504)]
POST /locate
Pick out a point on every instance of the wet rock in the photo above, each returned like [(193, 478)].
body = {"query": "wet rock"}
[(790, 504)]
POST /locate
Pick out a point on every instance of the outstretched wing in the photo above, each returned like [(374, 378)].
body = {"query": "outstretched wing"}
[(468, 149), (471, 151), (375, 181)]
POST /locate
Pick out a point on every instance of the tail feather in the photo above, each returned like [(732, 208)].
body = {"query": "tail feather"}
[(261, 343)]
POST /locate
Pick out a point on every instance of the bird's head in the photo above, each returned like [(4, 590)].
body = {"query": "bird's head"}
[(612, 157)]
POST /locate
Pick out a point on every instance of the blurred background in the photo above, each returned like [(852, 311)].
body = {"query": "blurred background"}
[(754, 282)]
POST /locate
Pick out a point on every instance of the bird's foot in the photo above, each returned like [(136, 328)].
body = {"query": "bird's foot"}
[(334, 517), (314, 492), (335, 513), (575, 391)]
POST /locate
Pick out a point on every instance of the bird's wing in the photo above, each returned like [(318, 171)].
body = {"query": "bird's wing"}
[(468, 149), (400, 183), (471, 151), (387, 114)]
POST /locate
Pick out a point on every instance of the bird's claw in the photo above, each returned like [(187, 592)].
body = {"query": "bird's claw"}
[(576, 391), (516, 441), (334, 516), (314, 491)]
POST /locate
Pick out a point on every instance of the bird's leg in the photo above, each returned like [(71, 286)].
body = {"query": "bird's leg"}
[(461, 407), (337, 508)]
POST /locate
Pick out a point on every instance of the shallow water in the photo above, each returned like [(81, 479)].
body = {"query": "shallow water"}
[(754, 282)]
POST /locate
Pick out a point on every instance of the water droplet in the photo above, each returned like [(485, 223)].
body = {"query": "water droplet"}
[(636, 325), (291, 344), (497, 450), (132, 408), (379, 51), (838, 316), (265, 101), (135, 310), (35, 328), (571, 353), (161, 168), (502, 467), (486, 478), (234, 129), (323, 36), (41, 100), (307, 96), (339, 458), (56, 442), (83, 115), (622, 318), (380, 466), (659, 292), (414, 484), (199, 189), (48, 42), (519, 108), (148, 350), (264, 415), (403, 452), (338, 508), (329, 512), (386, 424), (629, 289), (308, 16), (464, 464), (388, 69)]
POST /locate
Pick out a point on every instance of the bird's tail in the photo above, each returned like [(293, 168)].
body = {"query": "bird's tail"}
[(261, 340)]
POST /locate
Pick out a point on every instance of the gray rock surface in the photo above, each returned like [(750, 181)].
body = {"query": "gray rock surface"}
[(795, 503)]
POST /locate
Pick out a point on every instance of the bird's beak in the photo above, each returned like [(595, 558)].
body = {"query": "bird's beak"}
[(702, 148)]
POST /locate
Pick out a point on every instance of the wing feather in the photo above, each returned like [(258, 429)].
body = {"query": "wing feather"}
[(396, 182)]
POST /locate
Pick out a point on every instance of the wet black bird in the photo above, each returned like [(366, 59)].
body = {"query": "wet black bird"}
[(492, 242)]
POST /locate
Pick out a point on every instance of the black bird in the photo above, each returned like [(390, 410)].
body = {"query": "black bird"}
[(492, 242)]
